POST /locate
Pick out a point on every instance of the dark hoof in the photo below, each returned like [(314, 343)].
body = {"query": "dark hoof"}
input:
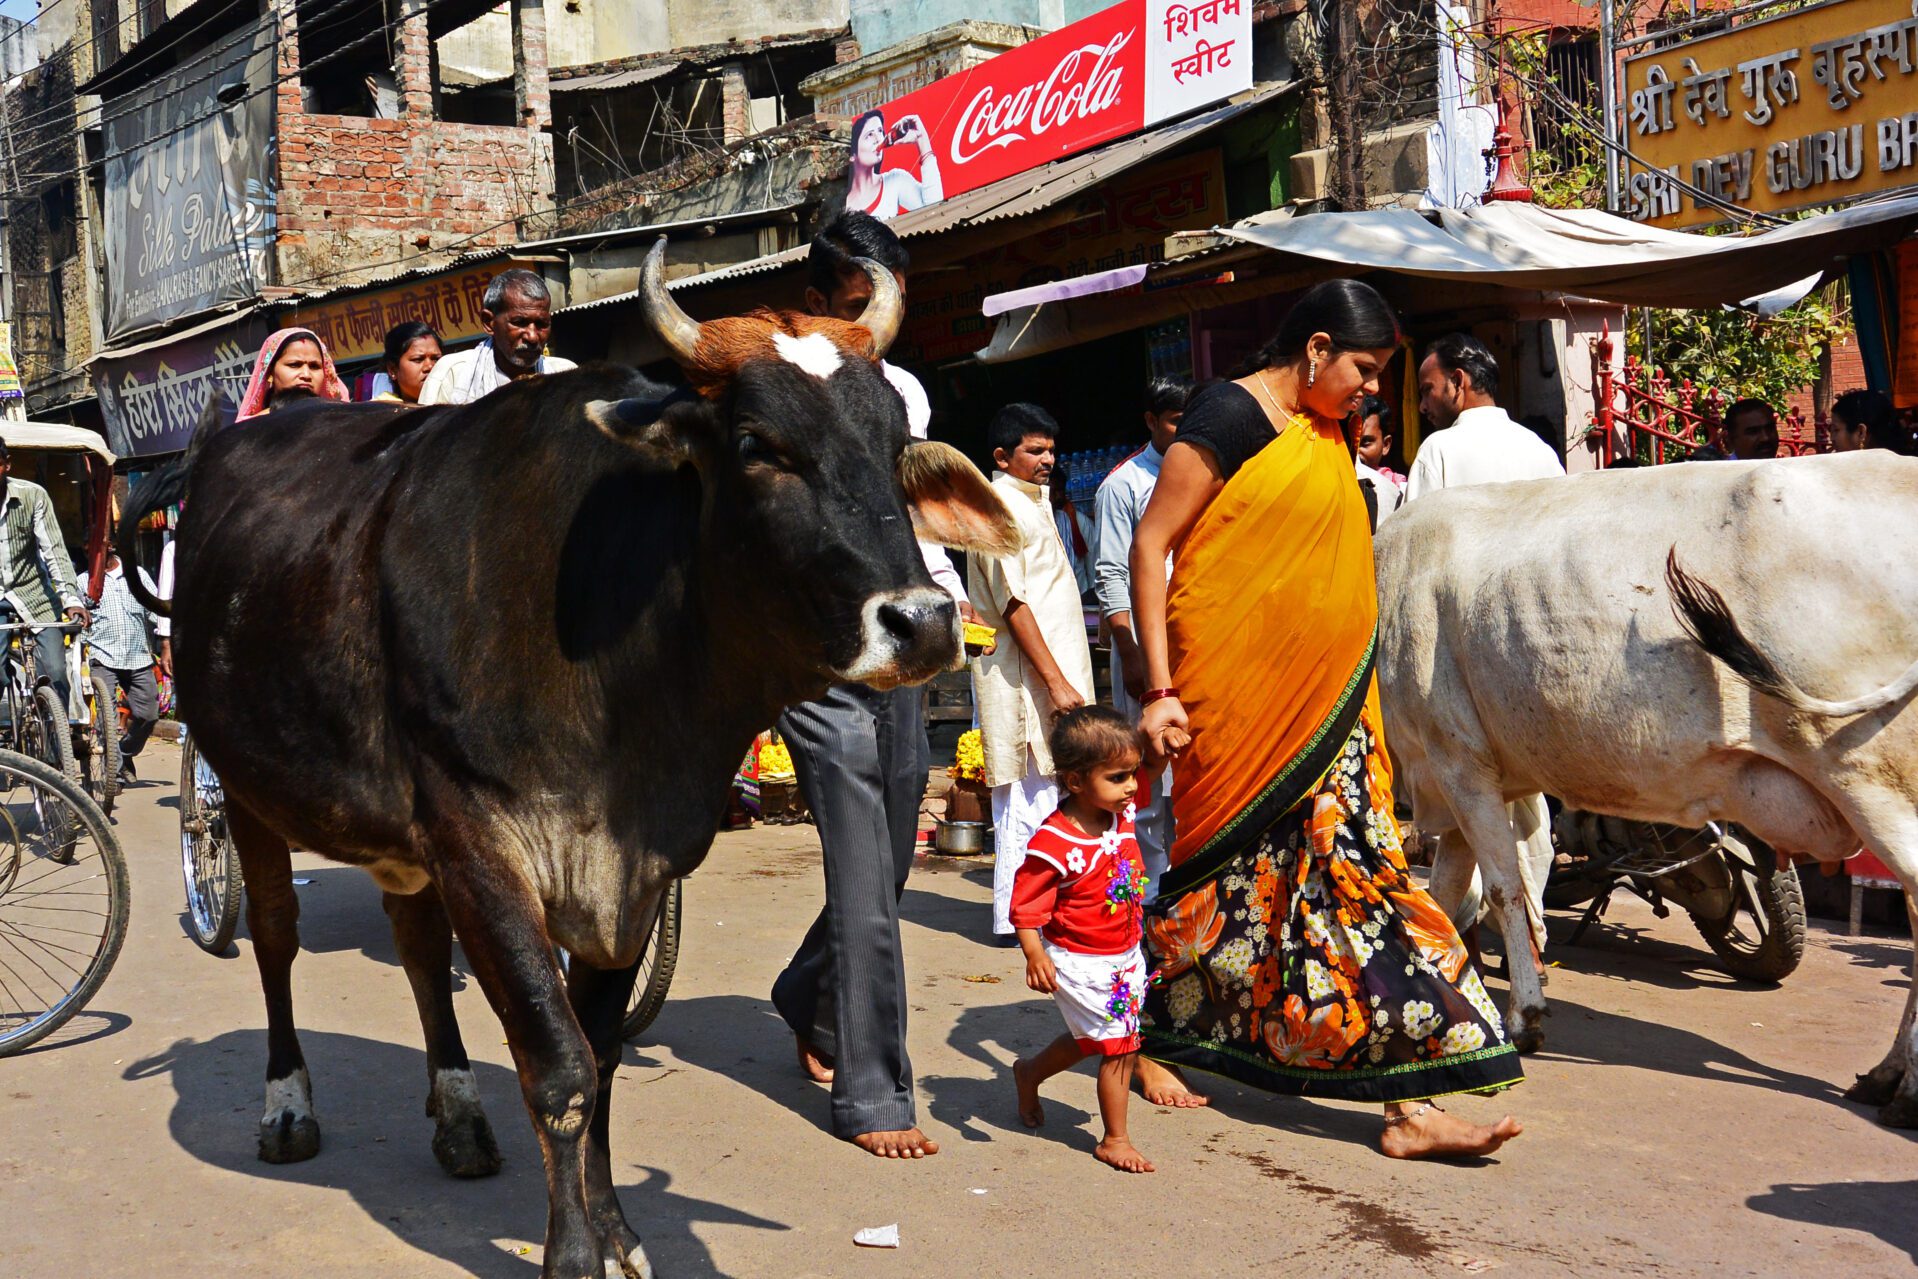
[(465, 1148), (1529, 1039), (290, 1140), (1899, 1112), (1876, 1088), (627, 1261)]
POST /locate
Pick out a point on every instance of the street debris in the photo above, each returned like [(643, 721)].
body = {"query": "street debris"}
[(878, 1236)]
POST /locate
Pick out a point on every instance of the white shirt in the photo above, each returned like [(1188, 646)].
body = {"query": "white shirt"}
[(1483, 446), (465, 376), (1384, 488), (918, 419), (1015, 712), (163, 626)]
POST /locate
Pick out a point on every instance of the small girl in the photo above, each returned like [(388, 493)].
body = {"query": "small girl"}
[(1077, 902)]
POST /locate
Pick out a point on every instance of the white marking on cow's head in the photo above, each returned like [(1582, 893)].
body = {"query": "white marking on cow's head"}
[(904, 636), (814, 353)]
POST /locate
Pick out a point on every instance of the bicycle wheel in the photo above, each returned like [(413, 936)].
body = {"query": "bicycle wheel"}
[(207, 862), (62, 917), (45, 737), (101, 767), (656, 965)]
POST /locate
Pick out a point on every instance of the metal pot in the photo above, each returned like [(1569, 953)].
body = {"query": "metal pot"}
[(962, 839)]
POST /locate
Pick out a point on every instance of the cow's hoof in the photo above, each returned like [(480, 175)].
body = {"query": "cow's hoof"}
[(1529, 1038), (1875, 1088), (465, 1146), (629, 1263), (1899, 1112), (289, 1138)]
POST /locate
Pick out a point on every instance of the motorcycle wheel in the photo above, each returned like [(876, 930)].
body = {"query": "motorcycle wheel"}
[(1762, 937)]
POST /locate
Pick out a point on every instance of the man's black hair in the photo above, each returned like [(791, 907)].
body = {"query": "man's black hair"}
[(1014, 422), (853, 235), (1373, 406), (1750, 405), (5, 456), (1463, 353), (1167, 395)]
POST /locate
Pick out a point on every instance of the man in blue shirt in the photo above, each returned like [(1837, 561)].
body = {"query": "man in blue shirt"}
[(123, 659)]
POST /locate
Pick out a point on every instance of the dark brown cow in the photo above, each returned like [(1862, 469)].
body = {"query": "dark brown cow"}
[(506, 656)]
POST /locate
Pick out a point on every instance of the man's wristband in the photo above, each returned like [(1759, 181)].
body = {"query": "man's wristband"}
[(1152, 695)]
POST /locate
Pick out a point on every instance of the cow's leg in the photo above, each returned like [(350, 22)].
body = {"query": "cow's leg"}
[(599, 999), (1487, 827), (462, 1139), (1881, 1084), (289, 1132), (502, 927)]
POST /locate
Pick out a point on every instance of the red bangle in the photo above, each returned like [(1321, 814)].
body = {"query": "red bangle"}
[(1152, 695)]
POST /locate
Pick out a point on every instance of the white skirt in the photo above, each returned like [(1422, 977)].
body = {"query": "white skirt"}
[(1099, 997)]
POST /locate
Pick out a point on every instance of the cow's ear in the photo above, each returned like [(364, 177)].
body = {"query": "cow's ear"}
[(667, 429), (953, 505)]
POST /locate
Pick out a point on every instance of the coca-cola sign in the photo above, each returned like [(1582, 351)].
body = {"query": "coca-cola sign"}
[(1120, 70)]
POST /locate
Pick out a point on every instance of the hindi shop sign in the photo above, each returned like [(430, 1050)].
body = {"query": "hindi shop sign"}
[(191, 190), (1121, 70), (153, 399), (1814, 108), (355, 328)]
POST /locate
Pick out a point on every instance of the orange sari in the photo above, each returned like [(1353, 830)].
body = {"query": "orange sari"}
[(1270, 622)]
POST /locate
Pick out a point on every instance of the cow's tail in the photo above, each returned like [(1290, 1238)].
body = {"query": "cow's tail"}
[(1706, 617), (158, 489)]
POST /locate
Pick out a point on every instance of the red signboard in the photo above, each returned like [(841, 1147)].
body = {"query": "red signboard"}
[(1114, 73)]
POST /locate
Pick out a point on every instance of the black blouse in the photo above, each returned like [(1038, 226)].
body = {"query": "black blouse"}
[(1227, 420)]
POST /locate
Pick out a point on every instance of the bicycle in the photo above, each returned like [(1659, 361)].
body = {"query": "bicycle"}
[(656, 965), (208, 863), (99, 756), (63, 901), (37, 724)]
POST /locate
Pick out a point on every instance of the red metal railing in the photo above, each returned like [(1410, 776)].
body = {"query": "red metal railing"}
[(1643, 414)]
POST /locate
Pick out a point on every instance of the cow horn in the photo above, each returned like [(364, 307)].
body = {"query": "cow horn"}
[(884, 309), (679, 331)]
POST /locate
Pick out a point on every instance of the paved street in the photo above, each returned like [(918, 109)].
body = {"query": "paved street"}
[(1677, 1124)]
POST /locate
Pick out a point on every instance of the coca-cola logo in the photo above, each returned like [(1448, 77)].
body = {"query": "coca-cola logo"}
[(1083, 83)]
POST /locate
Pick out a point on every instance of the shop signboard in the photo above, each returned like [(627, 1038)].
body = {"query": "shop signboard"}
[(153, 398), (1121, 70), (1122, 222), (9, 371), (190, 185), (1811, 109), (355, 328)]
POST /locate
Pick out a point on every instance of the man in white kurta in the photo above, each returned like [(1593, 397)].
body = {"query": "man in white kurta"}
[(1043, 662), (517, 310), (1479, 443)]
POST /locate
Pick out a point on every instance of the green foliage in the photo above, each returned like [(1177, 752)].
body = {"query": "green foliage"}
[(1740, 354)]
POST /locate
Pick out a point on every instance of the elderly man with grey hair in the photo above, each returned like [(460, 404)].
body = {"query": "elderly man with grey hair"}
[(517, 311)]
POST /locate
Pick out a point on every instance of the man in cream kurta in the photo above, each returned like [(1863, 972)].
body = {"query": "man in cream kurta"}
[(1026, 679)]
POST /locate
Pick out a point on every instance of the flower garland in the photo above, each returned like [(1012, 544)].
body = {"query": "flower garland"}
[(969, 761)]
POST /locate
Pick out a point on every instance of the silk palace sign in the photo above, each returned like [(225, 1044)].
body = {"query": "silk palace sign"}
[(1121, 70), (1814, 108)]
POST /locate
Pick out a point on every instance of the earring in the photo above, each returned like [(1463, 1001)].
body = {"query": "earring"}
[(1312, 372)]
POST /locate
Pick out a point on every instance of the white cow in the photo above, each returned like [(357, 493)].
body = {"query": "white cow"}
[(1687, 643)]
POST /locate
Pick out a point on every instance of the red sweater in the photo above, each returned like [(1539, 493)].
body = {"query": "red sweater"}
[(1082, 892)]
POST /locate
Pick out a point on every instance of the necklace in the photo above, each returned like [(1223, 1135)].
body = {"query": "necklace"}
[(1285, 418)]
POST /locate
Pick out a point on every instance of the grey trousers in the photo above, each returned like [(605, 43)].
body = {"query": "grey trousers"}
[(143, 700), (861, 757)]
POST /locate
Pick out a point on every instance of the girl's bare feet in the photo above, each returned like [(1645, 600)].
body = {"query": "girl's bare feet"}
[(1423, 1131), (1123, 1155), (1164, 1085), (905, 1143), (1031, 1113), (817, 1065)]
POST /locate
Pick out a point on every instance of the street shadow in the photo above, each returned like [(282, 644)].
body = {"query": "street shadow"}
[(383, 1160), (340, 912), (956, 917), (1870, 952), (83, 1027), (994, 1036), (1621, 949), (1881, 1209), (743, 1040)]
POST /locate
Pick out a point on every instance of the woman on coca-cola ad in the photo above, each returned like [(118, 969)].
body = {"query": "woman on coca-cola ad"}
[(886, 194)]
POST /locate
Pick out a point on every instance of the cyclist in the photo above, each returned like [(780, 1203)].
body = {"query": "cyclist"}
[(36, 577)]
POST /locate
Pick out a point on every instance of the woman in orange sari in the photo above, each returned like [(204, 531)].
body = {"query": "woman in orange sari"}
[(1292, 950)]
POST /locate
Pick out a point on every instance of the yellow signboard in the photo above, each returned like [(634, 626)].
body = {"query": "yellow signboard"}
[(355, 328), (1814, 108)]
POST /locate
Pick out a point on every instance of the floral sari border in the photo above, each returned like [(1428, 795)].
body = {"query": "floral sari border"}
[(1294, 781), (1483, 1071)]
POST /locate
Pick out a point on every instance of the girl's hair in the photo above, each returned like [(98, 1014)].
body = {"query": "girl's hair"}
[(1083, 739), (1352, 314), (401, 336), (859, 127), (1873, 411)]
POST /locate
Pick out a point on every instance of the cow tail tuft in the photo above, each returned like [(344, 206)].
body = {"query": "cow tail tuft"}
[(1706, 617)]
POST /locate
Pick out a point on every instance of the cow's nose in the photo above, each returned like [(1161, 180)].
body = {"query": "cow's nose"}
[(909, 620), (908, 635)]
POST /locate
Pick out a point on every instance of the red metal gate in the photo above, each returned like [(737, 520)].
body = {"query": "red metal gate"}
[(1643, 414)]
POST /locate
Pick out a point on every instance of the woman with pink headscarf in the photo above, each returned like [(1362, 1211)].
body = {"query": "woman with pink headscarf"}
[(291, 360)]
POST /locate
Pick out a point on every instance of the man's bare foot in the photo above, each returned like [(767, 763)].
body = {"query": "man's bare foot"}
[(905, 1143), (1031, 1113), (817, 1065), (1164, 1085), (1123, 1155), (1431, 1133)]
